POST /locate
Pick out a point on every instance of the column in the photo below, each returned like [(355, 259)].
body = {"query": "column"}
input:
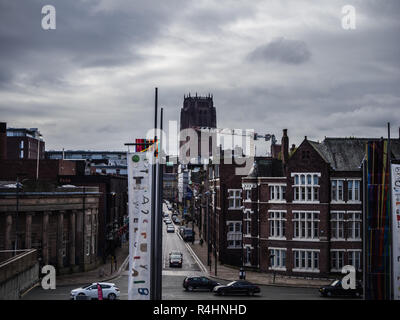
[(7, 239), (28, 230), (45, 237), (79, 248), (72, 238), (60, 231)]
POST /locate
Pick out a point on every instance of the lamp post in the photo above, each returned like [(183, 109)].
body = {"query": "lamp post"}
[(214, 236), (37, 136), (271, 257), (18, 183)]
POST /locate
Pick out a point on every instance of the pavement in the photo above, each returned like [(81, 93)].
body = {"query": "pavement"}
[(102, 273), (230, 273)]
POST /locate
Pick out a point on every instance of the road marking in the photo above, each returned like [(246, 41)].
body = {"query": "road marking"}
[(198, 261)]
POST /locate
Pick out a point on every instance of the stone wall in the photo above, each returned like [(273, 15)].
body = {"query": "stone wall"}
[(18, 274)]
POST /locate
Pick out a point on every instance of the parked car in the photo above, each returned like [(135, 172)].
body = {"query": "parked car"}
[(165, 215), (336, 289), (177, 221), (181, 229), (110, 291), (188, 234), (175, 259), (237, 287), (167, 221), (191, 283), (170, 228)]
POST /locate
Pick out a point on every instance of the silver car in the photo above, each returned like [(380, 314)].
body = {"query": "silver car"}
[(89, 292)]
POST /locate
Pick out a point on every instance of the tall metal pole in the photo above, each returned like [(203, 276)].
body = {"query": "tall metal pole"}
[(208, 232), (389, 167), (158, 293), (364, 222), (16, 220), (37, 160), (153, 205), (215, 232)]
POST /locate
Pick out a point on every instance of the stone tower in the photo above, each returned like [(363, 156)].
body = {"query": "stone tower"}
[(198, 111)]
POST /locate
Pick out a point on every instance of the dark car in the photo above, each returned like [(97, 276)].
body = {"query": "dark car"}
[(188, 235), (336, 289), (237, 287), (191, 283)]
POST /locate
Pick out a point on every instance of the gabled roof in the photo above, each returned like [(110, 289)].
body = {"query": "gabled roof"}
[(346, 154)]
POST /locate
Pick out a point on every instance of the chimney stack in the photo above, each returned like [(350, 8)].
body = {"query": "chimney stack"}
[(3, 140), (285, 147), (292, 148)]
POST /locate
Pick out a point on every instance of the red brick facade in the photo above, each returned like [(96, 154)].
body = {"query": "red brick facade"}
[(313, 251)]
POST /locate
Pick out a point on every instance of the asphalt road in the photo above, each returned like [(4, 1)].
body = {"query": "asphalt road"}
[(172, 281)]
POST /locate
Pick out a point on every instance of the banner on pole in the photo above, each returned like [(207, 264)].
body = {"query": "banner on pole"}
[(139, 194), (396, 229)]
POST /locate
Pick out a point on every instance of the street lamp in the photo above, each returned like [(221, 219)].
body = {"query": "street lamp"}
[(215, 232), (18, 183), (271, 257), (38, 135)]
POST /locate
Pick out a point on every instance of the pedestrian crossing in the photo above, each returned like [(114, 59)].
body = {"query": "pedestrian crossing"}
[(178, 273)]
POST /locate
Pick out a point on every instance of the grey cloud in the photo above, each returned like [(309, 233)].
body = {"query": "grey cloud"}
[(282, 50)]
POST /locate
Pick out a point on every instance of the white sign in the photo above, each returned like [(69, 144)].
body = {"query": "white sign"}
[(139, 192), (396, 229)]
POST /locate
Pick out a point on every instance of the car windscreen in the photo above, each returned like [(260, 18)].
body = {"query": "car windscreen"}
[(175, 256)]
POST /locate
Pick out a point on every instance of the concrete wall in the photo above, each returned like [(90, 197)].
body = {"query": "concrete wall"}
[(18, 274)]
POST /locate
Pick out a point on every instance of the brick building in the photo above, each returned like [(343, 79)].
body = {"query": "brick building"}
[(225, 208), (61, 224), (23, 143), (310, 218)]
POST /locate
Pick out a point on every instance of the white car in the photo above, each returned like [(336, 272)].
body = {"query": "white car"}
[(110, 291)]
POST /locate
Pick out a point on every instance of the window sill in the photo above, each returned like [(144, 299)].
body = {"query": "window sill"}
[(306, 270), (276, 201), (276, 238), (277, 268), (305, 239), (306, 202)]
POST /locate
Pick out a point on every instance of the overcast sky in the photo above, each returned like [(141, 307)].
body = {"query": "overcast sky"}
[(270, 65)]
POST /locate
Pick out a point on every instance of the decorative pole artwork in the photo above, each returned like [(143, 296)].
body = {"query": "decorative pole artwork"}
[(377, 222), (139, 190)]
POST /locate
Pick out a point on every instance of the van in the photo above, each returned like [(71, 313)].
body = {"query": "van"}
[(188, 235)]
